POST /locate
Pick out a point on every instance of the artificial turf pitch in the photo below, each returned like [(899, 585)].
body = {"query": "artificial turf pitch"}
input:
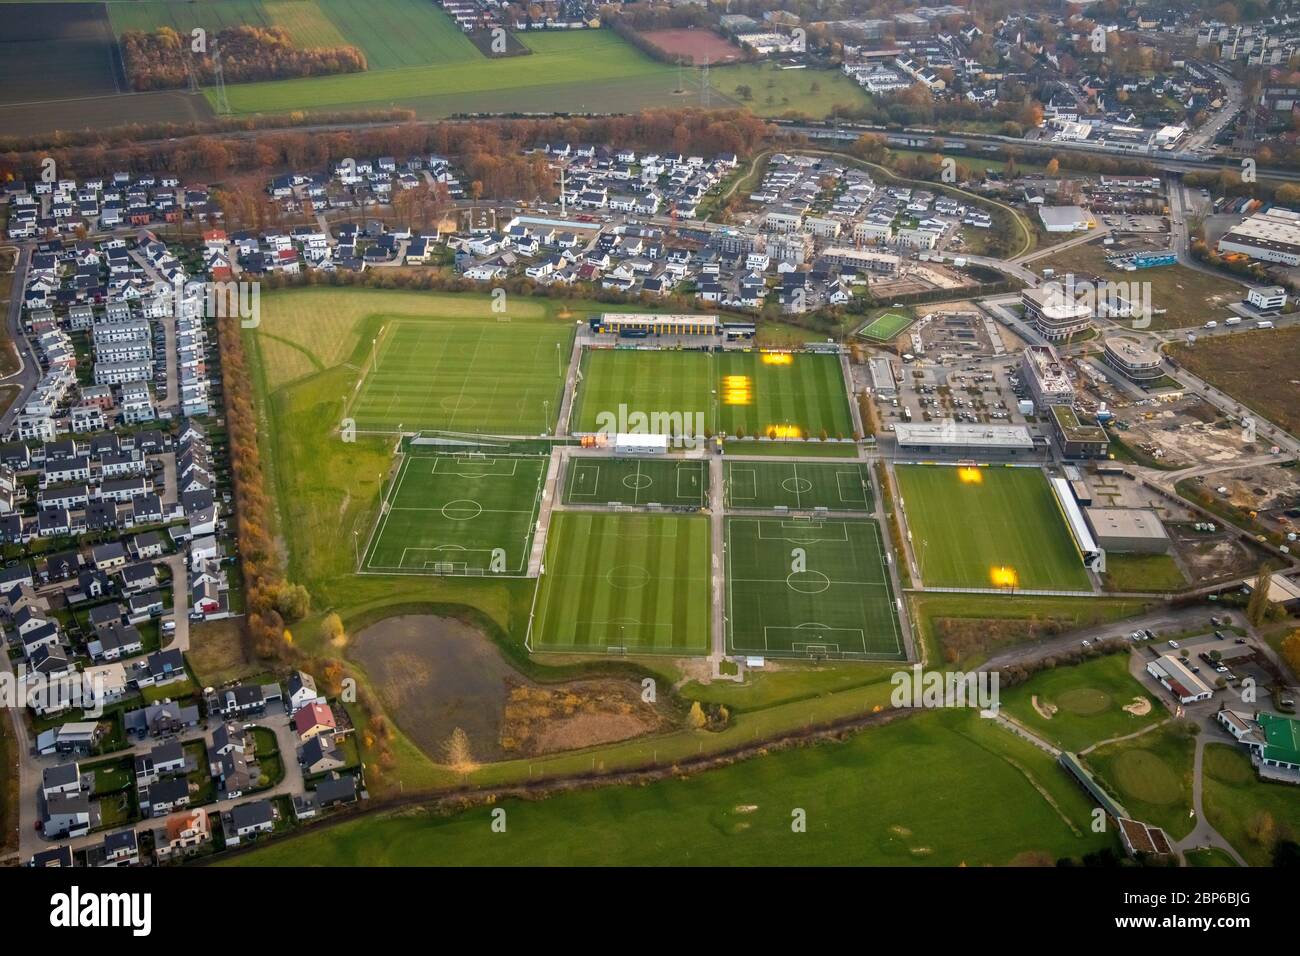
[(800, 587), (636, 481), (989, 527), (798, 485), (773, 394), (475, 376), (454, 514), (627, 583), (885, 327)]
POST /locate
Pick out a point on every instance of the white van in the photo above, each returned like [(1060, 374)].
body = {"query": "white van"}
[(1212, 324), (169, 627), (1265, 323), (1235, 320)]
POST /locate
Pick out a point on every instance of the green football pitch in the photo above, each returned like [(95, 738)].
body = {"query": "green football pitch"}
[(809, 587), (476, 375), (627, 583), (458, 514), (779, 395), (798, 485), (989, 527), (885, 327), (637, 481)]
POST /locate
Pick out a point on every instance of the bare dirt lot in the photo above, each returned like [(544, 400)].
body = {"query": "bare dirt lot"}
[(694, 46), (434, 674), (1183, 432)]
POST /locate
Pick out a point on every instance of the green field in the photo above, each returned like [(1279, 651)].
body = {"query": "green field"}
[(637, 481), (581, 60), (886, 327), (939, 789), (637, 583), (394, 34), (305, 20), (1250, 813), (466, 376), (816, 587), (798, 485), (458, 514), (989, 527), (791, 395), (397, 34), (1151, 776), (1086, 702), (776, 92)]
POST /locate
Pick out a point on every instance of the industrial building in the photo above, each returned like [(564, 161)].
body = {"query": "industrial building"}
[(1065, 218), (1132, 359), (1270, 236), (1055, 313), (1128, 530), (1046, 377)]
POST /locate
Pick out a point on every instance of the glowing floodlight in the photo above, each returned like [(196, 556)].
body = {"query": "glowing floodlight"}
[(737, 390), (970, 476), (1004, 577), (778, 358), (784, 431)]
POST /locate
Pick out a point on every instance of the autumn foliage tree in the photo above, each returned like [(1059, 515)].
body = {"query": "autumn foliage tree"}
[(162, 60)]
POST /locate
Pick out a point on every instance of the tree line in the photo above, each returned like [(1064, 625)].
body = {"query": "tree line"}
[(491, 151), (163, 61)]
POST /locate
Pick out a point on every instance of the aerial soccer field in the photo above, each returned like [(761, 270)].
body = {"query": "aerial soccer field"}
[(989, 527)]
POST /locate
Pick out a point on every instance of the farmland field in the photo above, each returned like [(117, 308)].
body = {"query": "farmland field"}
[(789, 395), (989, 527), (467, 375), (1256, 368), (798, 485), (454, 514), (809, 587), (637, 481), (396, 34), (584, 59), (637, 583), (56, 51), (302, 18)]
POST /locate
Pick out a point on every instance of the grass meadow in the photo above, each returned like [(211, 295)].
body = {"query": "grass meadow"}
[(939, 789)]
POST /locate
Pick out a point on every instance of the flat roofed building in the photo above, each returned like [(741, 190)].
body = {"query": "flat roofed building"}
[(1065, 218), (1055, 313), (862, 259), (656, 324), (1267, 298), (1128, 530), (1270, 236), (958, 437), (882, 377), (1046, 376), (1132, 359), (1077, 438)]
